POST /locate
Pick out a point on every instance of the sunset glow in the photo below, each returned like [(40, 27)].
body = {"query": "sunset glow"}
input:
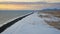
[(24, 6), (17, 7), (29, 0), (27, 6)]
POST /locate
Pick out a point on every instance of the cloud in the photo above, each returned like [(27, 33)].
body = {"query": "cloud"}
[(29, 0), (52, 1)]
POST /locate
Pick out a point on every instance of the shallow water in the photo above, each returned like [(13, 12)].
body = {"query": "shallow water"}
[(6, 15)]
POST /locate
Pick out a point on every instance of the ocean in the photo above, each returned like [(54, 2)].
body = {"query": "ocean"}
[(6, 15)]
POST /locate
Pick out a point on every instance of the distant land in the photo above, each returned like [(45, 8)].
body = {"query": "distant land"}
[(54, 9)]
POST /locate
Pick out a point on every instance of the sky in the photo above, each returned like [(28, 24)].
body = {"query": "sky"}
[(29, 0), (25, 7)]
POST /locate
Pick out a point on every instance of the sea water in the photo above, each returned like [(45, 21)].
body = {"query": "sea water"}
[(6, 15)]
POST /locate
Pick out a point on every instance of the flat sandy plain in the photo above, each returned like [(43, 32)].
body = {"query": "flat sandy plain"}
[(54, 17)]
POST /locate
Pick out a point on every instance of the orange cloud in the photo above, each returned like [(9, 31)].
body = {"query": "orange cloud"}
[(30, 1), (12, 6), (25, 6), (18, 6)]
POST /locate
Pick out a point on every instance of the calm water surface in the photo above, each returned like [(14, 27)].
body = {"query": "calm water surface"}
[(6, 15)]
